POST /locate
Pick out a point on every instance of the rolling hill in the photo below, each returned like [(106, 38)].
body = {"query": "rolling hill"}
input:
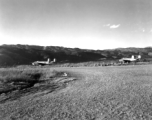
[(25, 54)]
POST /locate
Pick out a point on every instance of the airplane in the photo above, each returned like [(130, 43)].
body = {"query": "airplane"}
[(41, 63), (132, 59)]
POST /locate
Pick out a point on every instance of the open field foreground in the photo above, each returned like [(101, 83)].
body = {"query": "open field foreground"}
[(82, 93)]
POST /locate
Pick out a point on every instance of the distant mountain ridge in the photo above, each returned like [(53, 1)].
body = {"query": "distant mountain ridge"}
[(26, 54)]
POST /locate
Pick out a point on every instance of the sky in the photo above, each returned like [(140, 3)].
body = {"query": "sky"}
[(87, 24)]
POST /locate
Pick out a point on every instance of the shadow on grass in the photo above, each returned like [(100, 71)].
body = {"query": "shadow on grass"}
[(19, 83), (16, 88), (28, 91)]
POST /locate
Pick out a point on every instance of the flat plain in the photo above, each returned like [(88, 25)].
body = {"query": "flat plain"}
[(78, 93)]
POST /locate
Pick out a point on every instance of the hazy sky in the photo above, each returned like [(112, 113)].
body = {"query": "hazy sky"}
[(91, 24)]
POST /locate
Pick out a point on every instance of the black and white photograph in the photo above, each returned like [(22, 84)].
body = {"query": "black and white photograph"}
[(75, 59)]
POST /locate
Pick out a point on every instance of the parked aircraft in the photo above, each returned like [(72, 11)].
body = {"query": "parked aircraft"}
[(132, 59), (41, 63)]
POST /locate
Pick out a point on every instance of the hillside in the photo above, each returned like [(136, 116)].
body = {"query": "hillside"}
[(25, 54)]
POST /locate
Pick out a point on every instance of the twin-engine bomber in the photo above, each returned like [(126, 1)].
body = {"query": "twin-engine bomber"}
[(132, 59), (41, 63)]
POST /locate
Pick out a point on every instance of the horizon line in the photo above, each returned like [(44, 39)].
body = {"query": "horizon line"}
[(75, 47)]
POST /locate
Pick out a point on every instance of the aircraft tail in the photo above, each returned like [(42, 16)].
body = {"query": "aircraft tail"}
[(139, 57), (54, 60), (48, 61), (132, 57)]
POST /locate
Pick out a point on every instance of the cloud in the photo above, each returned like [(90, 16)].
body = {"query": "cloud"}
[(114, 26), (143, 30), (107, 25)]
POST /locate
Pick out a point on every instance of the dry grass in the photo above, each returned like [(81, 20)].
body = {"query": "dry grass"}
[(12, 78), (15, 83), (100, 93)]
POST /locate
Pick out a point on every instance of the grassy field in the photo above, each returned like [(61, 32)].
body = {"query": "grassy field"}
[(83, 93)]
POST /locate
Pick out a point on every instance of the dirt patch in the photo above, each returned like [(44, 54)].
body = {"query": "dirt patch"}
[(15, 89)]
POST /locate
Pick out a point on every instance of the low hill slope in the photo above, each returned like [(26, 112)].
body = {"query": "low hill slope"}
[(25, 54)]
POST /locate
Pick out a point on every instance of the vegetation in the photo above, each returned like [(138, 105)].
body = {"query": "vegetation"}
[(16, 82), (12, 55), (98, 93)]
